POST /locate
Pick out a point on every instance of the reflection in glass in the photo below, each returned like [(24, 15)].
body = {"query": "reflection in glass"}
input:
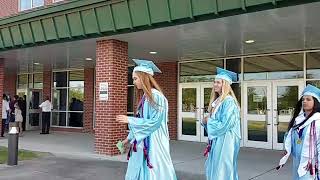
[(200, 71), (287, 97), (34, 119), (34, 100), (257, 131), (279, 66), (314, 83), (22, 81), (60, 99), (189, 99), (76, 79), (76, 94), (313, 65), (38, 80), (60, 79), (58, 118), (257, 100), (207, 94), (189, 126), (235, 66), (75, 119)]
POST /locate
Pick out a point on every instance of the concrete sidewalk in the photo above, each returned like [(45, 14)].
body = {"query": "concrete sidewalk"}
[(187, 156)]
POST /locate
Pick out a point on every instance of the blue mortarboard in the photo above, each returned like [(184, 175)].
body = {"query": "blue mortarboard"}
[(146, 66), (229, 76), (312, 91)]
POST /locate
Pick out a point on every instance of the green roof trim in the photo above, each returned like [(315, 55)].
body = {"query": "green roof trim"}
[(81, 19)]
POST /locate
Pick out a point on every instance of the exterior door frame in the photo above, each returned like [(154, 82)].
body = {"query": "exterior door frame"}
[(275, 117), (271, 116), (198, 114), (267, 116), (28, 126)]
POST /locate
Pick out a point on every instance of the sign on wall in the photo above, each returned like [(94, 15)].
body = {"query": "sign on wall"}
[(103, 91)]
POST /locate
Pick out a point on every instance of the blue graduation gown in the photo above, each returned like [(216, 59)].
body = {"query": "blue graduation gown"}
[(223, 128), (300, 151), (152, 126)]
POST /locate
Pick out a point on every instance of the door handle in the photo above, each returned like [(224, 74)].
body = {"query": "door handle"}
[(277, 118), (267, 117)]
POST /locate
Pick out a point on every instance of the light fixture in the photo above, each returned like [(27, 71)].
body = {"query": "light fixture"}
[(153, 52), (36, 63), (88, 59), (250, 41)]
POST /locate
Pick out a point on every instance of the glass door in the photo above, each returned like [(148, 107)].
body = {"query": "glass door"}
[(257, 115), (285, 96), (193, 105), (189, 116), (34, 99)]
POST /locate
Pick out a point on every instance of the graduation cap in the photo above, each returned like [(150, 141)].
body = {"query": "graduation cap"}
[(312, 91), (146, 66), (229, 76)]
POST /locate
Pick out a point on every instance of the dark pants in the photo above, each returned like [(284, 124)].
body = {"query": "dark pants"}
[(45, 122), (3, 127)]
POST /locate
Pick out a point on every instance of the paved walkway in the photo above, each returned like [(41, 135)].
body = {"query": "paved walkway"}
[(73, 158)]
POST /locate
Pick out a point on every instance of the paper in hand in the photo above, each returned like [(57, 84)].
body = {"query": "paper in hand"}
[(120, 146)]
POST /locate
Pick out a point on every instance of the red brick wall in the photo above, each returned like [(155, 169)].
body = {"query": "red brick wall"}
[(8, 7), (111, 67), (47, 78), (88, 99), (11, 82), (168, 81), (1, 84)]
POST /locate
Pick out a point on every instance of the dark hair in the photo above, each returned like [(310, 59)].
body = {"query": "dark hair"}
[(16, 97), (316, 108), (4, 96)]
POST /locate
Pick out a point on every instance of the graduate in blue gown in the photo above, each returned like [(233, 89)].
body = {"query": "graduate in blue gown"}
[(223, 129), (302, 140), (149, 153)]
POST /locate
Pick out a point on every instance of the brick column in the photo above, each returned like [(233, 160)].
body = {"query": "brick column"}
[(1, 84), (11, 82), (47, 78), (88, 99), (168, 81), (111, 67)]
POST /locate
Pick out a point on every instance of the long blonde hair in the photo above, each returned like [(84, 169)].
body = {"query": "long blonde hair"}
[(226, 90), (147, 82)]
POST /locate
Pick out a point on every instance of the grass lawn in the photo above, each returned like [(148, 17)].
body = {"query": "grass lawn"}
[(23, 155)]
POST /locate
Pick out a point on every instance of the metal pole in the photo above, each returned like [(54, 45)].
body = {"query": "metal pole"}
[(13, 139)]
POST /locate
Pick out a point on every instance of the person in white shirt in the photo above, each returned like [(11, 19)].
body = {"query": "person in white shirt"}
[(46, 107), (5, 110)]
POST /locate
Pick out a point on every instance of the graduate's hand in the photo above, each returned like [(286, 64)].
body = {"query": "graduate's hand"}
[(125, 142), (122, 119)]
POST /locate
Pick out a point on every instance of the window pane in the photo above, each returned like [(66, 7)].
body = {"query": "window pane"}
[(60, 99), (76, 97), (75, 119), (313, 65), (314, 83), (38, 80), (25, 4), (130, 104), (30, 84), (76, 79), (201, 71), (60, 79), (280, 66), (58, 118), (22, 81), (235, 66), (130, 80), (37, 3)]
